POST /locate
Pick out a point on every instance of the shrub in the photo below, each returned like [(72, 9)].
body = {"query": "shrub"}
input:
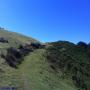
[(73, 60)]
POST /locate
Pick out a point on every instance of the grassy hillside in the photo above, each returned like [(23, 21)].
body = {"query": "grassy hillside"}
[(11, 39), (35, 74), (14, 38), (58, 65)]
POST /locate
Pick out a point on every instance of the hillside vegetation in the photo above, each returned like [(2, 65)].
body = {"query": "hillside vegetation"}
[(73, 60), (27, 64), (35, 74), (14, 39)]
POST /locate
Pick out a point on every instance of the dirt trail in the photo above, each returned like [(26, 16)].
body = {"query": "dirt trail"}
[(25, 81)]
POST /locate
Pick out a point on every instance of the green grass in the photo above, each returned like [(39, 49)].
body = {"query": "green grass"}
[(35, 74), (14, 38)]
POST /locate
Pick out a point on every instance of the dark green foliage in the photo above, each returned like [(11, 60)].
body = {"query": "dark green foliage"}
[(37, 45), (24, 50), (15, 56), (3, 40), (73, 60)]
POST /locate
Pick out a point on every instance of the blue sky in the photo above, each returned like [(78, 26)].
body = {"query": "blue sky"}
[(47, 20)]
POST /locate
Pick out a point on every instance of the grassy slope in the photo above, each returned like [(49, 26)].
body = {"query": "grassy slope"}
[(35, 74), (14, 38)]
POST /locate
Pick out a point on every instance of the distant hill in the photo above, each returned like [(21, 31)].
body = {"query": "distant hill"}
[(27, 64)]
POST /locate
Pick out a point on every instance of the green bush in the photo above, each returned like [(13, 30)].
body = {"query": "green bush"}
[(73, 60)]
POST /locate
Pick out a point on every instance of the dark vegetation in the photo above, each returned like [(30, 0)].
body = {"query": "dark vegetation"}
[(73, 60), (15, 56), (3, 40)]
